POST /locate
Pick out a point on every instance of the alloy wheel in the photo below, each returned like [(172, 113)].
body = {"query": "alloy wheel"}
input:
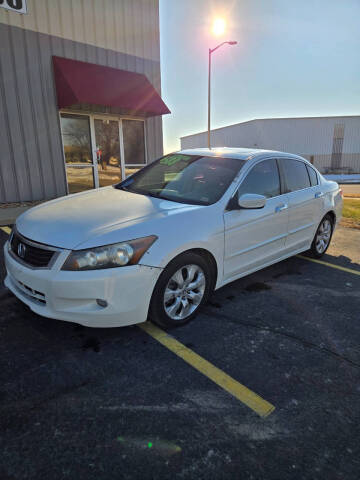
[(323, 236), (184, 292)]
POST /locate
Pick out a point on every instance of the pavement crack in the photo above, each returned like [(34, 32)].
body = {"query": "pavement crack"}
[(291, 336)]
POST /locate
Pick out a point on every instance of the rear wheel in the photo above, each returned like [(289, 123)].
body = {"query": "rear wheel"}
[(322, 237), (181, 290)]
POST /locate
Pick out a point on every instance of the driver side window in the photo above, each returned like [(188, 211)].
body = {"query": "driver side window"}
[(262, 179)]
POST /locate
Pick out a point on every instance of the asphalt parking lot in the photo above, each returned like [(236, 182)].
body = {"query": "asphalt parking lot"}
[(84, 403)]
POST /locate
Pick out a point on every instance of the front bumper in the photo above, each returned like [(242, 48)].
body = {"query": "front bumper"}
[(71, 296)]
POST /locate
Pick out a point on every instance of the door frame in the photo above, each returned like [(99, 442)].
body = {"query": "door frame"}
[(272, 258), (103, 116)]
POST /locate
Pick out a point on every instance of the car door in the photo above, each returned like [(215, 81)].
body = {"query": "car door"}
[(254, 237), (305, 202)]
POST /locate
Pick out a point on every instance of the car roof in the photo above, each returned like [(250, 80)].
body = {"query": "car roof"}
[(239, 153)]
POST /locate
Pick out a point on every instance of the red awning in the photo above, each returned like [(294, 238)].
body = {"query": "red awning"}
[(81, 82)]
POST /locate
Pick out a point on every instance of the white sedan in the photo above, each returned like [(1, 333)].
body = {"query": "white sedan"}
[(156, 245)]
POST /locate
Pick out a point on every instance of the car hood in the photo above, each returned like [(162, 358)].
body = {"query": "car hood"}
[(70, 221)]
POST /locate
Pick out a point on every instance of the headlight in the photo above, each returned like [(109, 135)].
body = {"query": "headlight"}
[(109, 256)]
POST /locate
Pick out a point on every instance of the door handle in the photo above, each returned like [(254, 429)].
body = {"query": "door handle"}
[(280, 208), (319, 194)]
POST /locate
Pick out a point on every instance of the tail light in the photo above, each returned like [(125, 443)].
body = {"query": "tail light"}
[(341, 193)]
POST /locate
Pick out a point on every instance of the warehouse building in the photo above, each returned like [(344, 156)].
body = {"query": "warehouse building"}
[(332, 144), (80, 94)]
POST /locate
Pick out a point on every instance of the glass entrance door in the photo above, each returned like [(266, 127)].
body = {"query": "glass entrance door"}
[(77, 150), (107, 151), (100, 150)]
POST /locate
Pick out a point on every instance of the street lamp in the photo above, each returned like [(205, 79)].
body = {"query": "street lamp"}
[(212, 50)]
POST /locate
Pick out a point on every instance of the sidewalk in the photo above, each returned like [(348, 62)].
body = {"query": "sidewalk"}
[(351, 178), (10, 211)]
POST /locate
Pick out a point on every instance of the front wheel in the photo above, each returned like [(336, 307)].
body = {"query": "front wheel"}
[(322, 237), (181, 290)]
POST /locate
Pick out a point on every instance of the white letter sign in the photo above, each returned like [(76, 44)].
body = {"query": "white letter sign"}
[(18, 6)]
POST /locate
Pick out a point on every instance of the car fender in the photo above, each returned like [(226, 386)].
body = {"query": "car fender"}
[(164, 250)]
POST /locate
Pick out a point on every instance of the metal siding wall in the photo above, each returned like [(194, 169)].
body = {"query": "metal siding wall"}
[(14, 122), (153, 132), (137, 22), (303, 136), (9, 186), (31, 162)]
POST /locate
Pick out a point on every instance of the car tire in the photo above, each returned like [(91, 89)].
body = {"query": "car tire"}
[(181, 290), (322, 237)]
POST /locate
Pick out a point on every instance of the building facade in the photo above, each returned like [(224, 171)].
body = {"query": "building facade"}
[(80, 88), (332, 144)]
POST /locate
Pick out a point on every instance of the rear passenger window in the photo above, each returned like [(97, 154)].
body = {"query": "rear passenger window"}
[(263, 179), (312, 175), (296, 176)]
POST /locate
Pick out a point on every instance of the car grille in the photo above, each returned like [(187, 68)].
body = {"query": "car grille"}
[(37, 256)]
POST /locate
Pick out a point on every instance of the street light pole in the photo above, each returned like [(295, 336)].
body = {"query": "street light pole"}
[(209, 100), (212, 50)]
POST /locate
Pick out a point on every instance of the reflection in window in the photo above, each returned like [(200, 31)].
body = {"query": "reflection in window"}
[(312, 175), (76, 139), (108, 151), (263, 179), (185, 178), (79, 178), (296, 176), (134, 142), (130, 171)]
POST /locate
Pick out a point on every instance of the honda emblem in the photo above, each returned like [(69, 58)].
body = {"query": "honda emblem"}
[(21, 250)]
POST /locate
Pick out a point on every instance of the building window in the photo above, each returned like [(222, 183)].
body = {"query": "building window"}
[(77, 150), (79, 178), (93, 145), (108, 159), (134, 142), (76, 139)]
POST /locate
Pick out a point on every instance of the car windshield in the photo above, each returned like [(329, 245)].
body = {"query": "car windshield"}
[(192, 179)]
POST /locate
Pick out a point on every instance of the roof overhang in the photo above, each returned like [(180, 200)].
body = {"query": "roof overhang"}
[(87, 83)]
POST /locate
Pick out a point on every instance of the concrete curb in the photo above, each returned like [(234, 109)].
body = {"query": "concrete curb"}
[(9, 215)]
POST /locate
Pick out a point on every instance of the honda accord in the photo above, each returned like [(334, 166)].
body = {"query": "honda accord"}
[(157, 244)]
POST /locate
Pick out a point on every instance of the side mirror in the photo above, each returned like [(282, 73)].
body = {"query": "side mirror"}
[(251, 200)]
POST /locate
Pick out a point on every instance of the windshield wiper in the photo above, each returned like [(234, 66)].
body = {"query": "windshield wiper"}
[(151, 194), (126, 188)]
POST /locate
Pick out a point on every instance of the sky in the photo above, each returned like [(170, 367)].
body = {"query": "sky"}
[(294, 58)]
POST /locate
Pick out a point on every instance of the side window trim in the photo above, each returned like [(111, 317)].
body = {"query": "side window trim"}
[(308, 168), (284, 187), (308, 172), (281, 177)]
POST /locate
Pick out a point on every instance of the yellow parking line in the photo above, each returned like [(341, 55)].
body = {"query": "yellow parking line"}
[(338, 267), (239, 391)]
